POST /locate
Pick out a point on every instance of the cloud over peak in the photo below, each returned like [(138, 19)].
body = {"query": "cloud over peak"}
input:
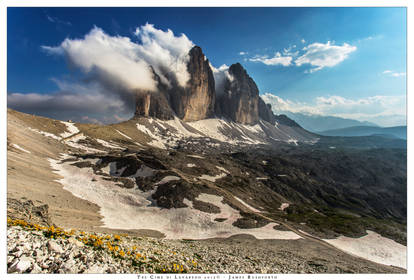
[(322, 55), (119, 59), (277, 59), (114, 68), (318, 55)]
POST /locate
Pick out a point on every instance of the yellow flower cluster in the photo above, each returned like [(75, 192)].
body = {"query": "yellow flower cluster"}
[(52, 231), (105, 242), (174, 268)]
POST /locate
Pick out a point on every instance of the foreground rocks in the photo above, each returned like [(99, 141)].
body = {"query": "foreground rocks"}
[(36, 249)]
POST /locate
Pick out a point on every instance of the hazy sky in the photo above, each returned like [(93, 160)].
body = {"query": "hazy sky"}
[(348, 62)]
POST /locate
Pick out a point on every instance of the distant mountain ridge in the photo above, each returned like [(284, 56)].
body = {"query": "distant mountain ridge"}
[(317, 123), (395, 131)]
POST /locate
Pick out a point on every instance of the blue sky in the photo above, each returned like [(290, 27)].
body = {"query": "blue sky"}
[(348, 62)]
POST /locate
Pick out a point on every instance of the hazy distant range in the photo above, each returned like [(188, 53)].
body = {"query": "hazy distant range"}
[(336, 126)]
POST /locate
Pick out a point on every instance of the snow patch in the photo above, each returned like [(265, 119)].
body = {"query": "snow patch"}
[(177, 124), (294, 141), (71, 128), (373, 247), (107, 144), (144, 171), (195, 156), (211, 128), (44, 133), (126, 136), (21, 149), (167, 179), (212, 178), (157, 141), (247, 205), (222, 169), (123, 208), (114, 171), (283, 206)]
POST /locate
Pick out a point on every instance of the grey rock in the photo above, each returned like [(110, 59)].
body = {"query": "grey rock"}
[(54, 247), (21, 265), (36, 268), (96, 269), (240, 100), (18, 253), (194, 101), (75, 242)]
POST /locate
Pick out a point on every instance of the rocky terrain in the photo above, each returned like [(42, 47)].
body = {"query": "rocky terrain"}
[(34, 248), (204, 178), (165, 179)]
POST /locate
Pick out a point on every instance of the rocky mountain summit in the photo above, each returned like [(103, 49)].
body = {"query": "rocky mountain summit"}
[(239, 101), (191, 103)]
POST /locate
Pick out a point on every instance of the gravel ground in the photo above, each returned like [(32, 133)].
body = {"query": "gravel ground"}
[(40, 249)]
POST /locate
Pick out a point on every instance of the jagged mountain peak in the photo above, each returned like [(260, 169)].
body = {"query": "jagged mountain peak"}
[(240, 101)]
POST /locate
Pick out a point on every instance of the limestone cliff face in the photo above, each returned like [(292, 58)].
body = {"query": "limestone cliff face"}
[(154, 103), (193, 102), (265, 112), (200, 92), (240, 100)]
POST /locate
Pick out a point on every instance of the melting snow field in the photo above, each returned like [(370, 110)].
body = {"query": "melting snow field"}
[(213, 128), (73, 142), (71, 128), (195, 156), (247, 205), (21, 149), (44, 133), (107, 144), (212, 178), (283, 206), (123, 208), (157, 141), (126, 136), (373, 247)]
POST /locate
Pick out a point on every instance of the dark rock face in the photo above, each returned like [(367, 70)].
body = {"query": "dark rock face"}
[(240, 100), (193, 102), (196, 102), (283, 119), (265, 112), (153, 104)]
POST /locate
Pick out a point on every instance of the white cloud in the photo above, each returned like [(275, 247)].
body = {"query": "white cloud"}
[(122, 61), (115, 68), (384, 110), (289, 52), (220, 76), (80, 102), (394, 74), (317, 55), (303, 41), (277, 59), (243, 53), (57, 20), (324, 55), (398, 74)]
